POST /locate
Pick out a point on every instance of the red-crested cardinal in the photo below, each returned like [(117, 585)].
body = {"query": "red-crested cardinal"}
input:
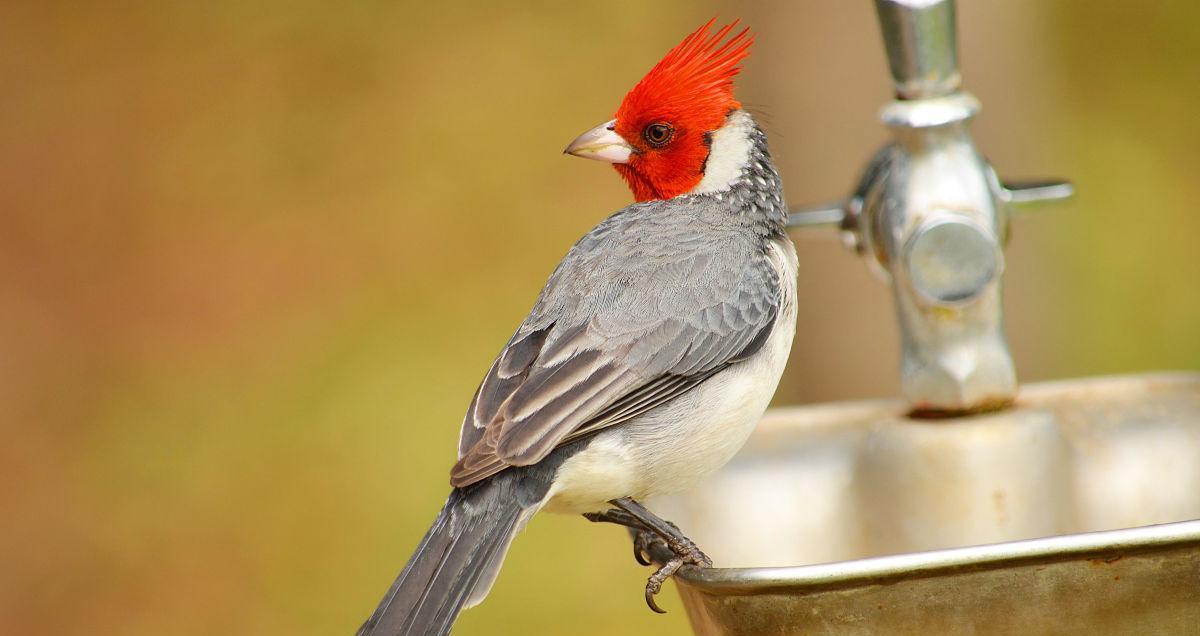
[(650, 354)]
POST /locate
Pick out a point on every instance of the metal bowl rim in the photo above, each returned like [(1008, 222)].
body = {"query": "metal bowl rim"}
[(1107, 545)]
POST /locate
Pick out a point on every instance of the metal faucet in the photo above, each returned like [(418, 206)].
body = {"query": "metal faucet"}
[(932, 218)]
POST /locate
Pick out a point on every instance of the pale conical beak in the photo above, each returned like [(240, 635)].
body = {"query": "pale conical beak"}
[(601, 143)]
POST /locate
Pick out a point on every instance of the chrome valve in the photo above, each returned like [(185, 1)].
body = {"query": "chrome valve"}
[(932, 218)]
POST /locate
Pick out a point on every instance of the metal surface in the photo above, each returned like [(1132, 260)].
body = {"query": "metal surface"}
[(931, 217), (831, 484), (1019, 197), (1140, 581), (954, 355), (921, 47), (1020, 194), (825, 214)]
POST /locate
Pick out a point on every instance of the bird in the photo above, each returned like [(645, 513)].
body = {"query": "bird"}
[(648, 357)]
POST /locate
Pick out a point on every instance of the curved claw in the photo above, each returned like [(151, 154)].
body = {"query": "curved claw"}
[(650, 601), (641, 547), (655, 582), (639, 554)]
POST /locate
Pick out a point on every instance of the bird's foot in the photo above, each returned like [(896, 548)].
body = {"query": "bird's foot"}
[(651, 533), (684, 552), (687, 549)]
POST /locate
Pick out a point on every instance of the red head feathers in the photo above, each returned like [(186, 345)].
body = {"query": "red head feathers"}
[(668, 118)]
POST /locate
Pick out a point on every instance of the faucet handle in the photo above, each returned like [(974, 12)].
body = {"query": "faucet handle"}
[(1019, 195), (829, 214), (839, 215)]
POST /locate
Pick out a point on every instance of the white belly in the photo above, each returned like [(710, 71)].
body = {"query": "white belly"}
[(676, 445)]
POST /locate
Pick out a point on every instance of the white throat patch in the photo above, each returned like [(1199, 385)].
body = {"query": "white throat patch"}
[(728, 155)]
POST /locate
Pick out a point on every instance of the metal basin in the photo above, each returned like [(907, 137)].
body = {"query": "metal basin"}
[(843, 485)]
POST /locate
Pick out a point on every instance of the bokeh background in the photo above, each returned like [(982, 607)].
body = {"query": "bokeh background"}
[(254, 258)]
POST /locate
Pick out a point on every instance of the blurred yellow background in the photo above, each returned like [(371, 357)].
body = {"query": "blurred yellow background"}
[(254, 258)]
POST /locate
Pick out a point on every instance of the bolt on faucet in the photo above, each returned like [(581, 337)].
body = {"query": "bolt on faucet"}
[(932, 218)]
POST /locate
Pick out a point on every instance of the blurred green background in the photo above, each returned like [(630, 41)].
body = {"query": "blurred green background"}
[(254, 258)]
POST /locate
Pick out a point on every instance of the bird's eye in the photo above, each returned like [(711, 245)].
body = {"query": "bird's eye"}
[(658, 134)]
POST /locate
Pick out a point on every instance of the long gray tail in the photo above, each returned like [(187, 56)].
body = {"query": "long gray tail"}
[(457, 561)]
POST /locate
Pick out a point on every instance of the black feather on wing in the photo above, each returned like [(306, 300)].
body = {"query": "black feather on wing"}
[(662, 390)]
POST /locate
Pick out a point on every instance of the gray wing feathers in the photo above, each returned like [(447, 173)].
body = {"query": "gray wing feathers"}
[(641, 310)]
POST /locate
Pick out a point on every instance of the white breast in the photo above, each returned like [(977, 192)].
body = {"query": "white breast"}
[(674, 446)]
